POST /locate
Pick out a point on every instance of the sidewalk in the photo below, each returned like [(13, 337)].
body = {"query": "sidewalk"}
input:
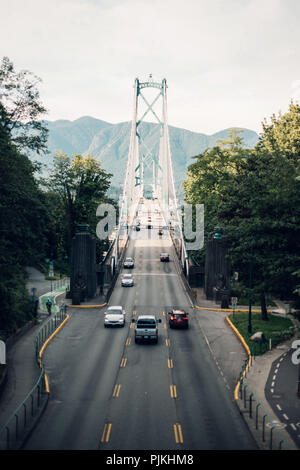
[(22, 368), (230, 357)]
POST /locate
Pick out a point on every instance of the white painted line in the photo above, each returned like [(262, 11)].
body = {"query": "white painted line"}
[(278, 365), (294, 427), (274, 377), (276, 371), (279, 407), (272, 384), (272, 390), (285, 416)]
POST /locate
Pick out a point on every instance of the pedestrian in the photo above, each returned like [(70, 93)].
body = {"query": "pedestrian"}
[(49, 305)]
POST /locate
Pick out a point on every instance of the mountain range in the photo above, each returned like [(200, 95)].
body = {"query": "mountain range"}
[(110, 143)]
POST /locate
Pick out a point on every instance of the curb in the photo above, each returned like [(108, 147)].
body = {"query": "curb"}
[(228, 309), (42, 350), (246, 347)]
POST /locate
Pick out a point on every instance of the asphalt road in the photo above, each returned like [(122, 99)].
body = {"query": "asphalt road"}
[(282, 396), (109, 393)]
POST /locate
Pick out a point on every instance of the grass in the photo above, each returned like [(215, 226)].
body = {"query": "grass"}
[(277, 328)]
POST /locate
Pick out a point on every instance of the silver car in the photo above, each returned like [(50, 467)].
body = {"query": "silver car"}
[(114, 316), (127, 280)]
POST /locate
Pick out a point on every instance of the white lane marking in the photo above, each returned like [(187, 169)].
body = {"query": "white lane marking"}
[(279, 407), (285, 416)]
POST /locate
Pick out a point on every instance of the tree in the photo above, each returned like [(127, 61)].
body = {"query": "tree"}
[(20, 99), (254, 195), (23, 238), (212, 171), (282, 135), (261, 214), (81, 185)]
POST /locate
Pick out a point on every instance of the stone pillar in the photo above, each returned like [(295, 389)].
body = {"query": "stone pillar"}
[(217, 270), (83, 280)]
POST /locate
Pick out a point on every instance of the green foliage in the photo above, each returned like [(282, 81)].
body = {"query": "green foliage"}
[(255, 196), (74, 190), (277, 329), (23, 110), (22, 233), (36, 224)]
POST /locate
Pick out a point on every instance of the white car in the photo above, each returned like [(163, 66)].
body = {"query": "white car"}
[(114, 316), (127, 280)]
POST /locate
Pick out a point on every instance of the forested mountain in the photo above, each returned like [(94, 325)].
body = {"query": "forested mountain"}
[(110, 142)]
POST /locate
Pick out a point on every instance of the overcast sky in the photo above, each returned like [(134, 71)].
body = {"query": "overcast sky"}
[(227, 62)]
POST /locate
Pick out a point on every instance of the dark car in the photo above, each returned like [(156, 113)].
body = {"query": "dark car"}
[(128, 263), (160, 231), (178, 319), (164, 257)]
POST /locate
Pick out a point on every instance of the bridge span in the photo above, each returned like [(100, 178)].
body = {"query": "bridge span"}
[(108, 393)]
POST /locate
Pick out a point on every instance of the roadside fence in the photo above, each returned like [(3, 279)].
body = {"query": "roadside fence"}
[(22, 420), (266, 431)]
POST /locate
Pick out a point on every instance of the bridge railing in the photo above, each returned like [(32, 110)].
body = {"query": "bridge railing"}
[(23, 418)]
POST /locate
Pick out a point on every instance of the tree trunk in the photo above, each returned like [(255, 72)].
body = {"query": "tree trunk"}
[(264, 313)]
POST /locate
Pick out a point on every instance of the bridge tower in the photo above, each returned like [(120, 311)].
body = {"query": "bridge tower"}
[(150, 167)]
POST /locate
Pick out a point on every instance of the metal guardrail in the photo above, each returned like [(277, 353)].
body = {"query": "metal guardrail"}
[(14, 431), (56, 284)]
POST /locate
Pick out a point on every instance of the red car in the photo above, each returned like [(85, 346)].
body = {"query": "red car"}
[(178, 319)]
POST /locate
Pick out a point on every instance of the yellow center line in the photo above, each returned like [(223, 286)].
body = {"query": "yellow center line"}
[(173, 391), (178, 433), (170, 363), (128, 341), (167, 342), (123, 362), (117, 390), (106, 432)]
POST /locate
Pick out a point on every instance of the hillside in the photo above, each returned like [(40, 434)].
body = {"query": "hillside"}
[(110, 142)]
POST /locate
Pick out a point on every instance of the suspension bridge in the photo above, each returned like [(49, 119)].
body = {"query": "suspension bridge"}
[(150, 171)]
